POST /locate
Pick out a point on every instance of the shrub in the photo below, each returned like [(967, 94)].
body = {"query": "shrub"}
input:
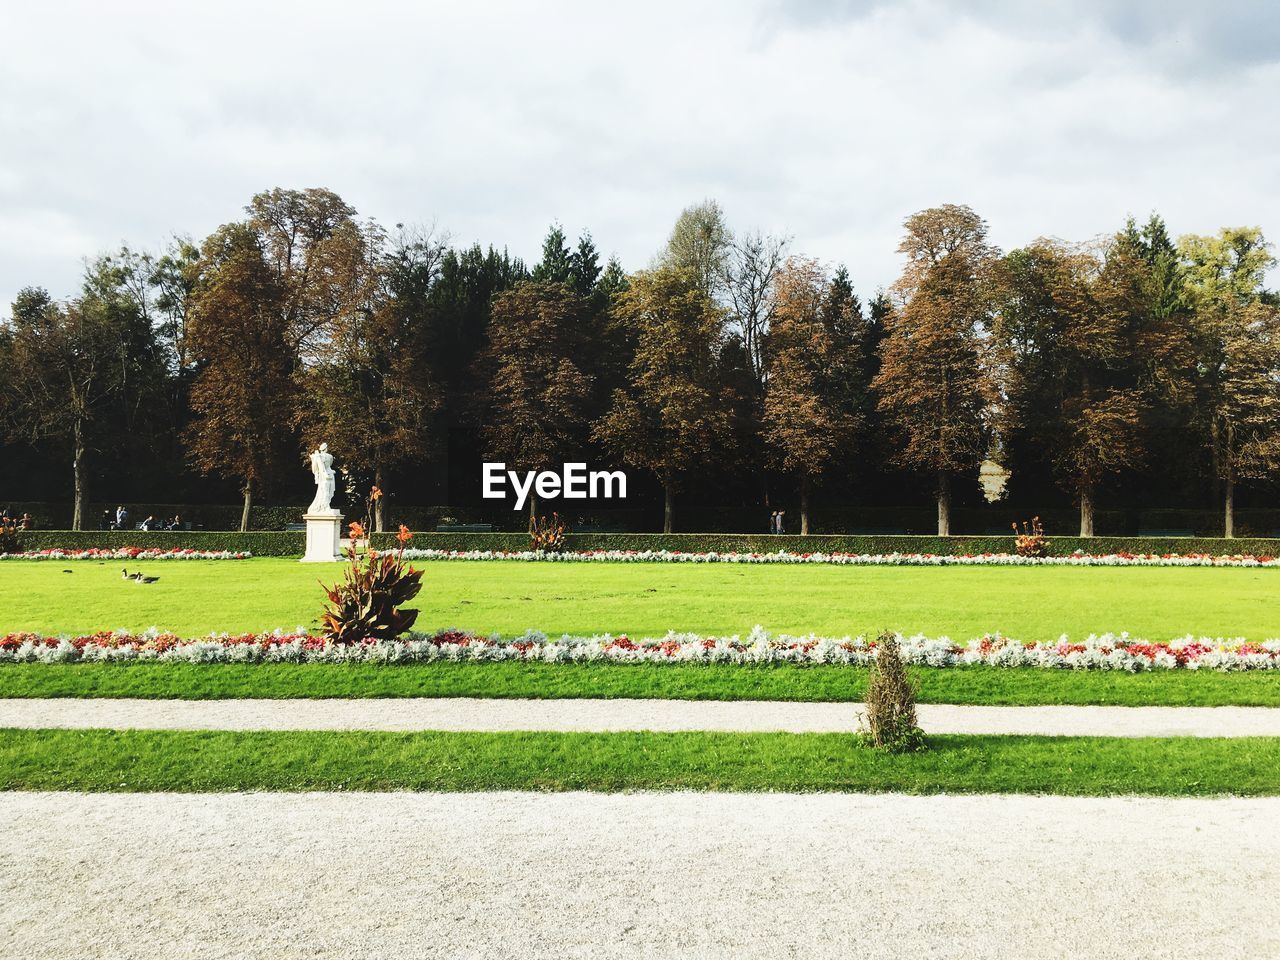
[(548, 535), (1030, 540), (366, 603), (891, 702), (9, 540)]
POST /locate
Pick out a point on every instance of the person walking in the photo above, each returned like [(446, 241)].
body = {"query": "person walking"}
[(782, 522)]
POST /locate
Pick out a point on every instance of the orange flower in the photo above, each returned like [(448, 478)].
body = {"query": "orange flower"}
[(404, 536), (357, 530), (375, 494)]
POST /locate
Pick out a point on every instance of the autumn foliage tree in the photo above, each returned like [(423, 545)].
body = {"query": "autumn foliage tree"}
[(932, 387), (1237, 336), (1067, 326), (535, 409), (673, 413), (238, 335), (372, 388), (814, 391), (70, 368)]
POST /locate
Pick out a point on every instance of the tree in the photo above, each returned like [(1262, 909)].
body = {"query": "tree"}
[(672, 415), (1237, 355), (557, 263), (751, 268), (1067, 330), (241, 340), (931, 385), (373, 390), (814, 390), (315, 251), (71, 367), (534, 409), (700, 243)]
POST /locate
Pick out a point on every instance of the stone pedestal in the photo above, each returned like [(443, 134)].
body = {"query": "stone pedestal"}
[(324, 530)]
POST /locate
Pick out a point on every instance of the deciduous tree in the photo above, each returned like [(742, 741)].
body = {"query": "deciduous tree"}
[(815, 388), (535, 405), (673, 414), (241, 340), (931, 386)]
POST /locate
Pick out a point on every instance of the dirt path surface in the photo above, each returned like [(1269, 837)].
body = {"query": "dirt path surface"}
[(613, 715), (385, 876)]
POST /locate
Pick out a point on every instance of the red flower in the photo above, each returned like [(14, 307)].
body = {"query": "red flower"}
[(404, 536), (356, 530)]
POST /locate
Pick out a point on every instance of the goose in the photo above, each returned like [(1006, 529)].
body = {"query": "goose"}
[(137, 577)]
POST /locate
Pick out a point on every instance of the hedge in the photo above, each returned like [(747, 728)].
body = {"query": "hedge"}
[(829, 519), (290, 544), (259, 543)]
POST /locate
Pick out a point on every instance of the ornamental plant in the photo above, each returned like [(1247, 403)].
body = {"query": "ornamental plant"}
[(9, 542), (367, 603), (548, 536), (891, 702), (1031, 541)]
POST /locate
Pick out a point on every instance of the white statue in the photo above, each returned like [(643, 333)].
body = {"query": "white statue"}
[(326, 484)]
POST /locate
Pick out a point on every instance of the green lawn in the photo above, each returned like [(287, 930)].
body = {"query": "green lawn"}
[(975, 685), (195, 597), (111, 760)]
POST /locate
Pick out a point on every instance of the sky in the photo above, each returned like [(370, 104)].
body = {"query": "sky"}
[(829, 122)]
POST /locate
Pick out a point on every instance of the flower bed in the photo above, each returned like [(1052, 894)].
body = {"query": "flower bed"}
[(1097, 652), (860, 559), (127, 553)]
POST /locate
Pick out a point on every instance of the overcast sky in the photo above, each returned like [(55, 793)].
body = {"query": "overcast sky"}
[(827, 121)]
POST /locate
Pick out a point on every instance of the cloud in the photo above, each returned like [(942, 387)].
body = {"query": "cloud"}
[(121, 124)]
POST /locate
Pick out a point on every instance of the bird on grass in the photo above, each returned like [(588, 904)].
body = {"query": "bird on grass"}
[(136, 577)]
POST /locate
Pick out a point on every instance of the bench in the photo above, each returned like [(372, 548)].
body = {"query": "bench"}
[(1166, 532), (465, 528), (295, 527)]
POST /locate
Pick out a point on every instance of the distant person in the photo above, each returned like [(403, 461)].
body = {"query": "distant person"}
[(773, 522), (175, 523), (782, 522), (122, 518), (105, 522), (148, 524), (26, 523)]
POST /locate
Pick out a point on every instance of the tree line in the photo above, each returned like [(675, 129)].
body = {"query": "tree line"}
[(1076, 365)]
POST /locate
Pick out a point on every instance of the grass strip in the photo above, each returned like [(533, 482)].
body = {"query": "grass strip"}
[(203, 761), (962, 685)]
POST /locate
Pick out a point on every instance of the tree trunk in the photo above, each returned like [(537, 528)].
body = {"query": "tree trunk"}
[(533, 506), (377, 504), (804, 506), (248, 503), (668, 506), (1086, 511), (78, 466), (1229, 513), (944, 504)]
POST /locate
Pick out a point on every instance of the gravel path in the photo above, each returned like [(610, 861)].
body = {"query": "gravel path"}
[(386, 876), (612, 715)]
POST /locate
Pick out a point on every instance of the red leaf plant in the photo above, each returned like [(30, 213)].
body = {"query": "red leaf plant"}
[(366, 605)]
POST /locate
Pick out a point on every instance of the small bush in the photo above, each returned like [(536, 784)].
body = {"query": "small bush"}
[(548, 535), (366, 603), (9, 540), (891, 702), (1030, 540)]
